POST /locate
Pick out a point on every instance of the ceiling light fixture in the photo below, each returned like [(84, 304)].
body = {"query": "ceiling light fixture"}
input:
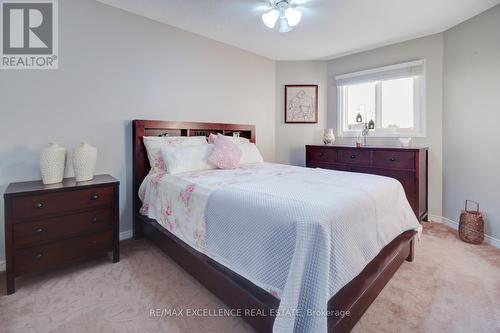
[(283, 11)]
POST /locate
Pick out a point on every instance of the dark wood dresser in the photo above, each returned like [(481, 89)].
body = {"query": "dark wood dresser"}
[(408, 165), (50, 225)]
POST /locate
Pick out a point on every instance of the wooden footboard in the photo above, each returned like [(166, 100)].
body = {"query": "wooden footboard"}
[(358, 294)]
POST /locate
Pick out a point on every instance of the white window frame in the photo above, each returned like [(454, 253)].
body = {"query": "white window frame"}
[(375, 75)]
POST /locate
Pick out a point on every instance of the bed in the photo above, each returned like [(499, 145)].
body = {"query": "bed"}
[(237, 287)]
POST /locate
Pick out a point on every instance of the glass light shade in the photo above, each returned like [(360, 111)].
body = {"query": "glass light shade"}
[(284, 26), (293, 16), (270, 18)]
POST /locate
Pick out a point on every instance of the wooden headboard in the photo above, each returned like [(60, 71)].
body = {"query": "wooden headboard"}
[(143, 128)]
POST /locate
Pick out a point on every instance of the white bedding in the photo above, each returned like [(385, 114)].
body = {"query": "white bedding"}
[(301, 234)]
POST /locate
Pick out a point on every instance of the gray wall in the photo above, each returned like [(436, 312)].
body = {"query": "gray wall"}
[(471, 167), (429, 48), (114, 67), (292, 138)]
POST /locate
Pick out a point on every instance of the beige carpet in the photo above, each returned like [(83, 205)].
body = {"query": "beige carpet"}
[(451, 287)]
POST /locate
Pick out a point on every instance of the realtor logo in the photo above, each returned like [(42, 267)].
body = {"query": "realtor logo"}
[(29, 34)]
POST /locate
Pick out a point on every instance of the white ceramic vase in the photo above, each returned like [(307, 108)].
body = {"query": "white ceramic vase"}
[(52, 160), (328, 136), (84, 161), (405, 142)]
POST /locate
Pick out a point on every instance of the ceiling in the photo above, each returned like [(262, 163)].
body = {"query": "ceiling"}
[(329, 28)]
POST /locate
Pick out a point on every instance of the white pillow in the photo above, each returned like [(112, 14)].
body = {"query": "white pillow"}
[(187, 158), (236, 139), (250, 154), (155, 143)]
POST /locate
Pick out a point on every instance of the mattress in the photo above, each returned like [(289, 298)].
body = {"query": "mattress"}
[(299, 233)]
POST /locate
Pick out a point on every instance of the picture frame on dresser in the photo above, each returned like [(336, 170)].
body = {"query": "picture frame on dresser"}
[(47, 226)]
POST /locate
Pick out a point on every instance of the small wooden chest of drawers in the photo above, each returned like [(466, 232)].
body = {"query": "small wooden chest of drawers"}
[(408, 165), (50, 225)]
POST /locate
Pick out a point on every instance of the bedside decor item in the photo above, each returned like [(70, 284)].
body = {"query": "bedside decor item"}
[(52, 161), (50, 226), (359, 140), (301, 104), (328, 136), (471, 225), (371, 124), (364, 134), (405, 142), (84, 161)]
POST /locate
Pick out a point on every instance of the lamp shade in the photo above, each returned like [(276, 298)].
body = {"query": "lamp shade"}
[(284, 26), (270, 18), (293, 16)]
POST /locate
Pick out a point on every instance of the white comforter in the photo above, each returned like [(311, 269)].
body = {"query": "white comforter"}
[(301, 234)]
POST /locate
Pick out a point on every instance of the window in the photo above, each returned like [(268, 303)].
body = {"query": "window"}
[(389, 100)]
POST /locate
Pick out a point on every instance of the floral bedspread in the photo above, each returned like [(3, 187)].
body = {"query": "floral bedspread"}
[(178, 201)]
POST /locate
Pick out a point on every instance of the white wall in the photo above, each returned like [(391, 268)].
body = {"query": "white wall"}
[(429, 48), (114, 67), (292, 138), (471, 167)]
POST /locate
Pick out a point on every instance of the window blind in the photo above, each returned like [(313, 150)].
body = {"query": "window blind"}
[(398, 71)]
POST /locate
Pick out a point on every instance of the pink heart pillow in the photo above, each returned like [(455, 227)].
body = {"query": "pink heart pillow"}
[(226, 154)]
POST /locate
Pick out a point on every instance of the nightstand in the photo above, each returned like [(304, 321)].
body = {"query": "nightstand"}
[(51, 225)]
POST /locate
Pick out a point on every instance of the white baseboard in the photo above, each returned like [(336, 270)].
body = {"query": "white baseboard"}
[(126, 234), (435, 218), (123, 235), (454, 225)]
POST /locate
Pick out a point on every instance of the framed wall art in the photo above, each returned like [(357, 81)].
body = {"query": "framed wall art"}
[(301, 104)]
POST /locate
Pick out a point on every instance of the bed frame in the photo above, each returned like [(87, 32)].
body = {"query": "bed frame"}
[(234, 290)]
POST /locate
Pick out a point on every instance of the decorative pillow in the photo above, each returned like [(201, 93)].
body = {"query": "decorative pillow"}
[(226, 154), (187, 158), (211, 138), (236, 139), (155, 143), (250, 154)]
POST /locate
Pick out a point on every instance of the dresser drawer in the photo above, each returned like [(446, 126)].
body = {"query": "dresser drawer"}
[(394, 159), (321, 154), (31, 233), (52, 203), (353, 156), (52, 254)]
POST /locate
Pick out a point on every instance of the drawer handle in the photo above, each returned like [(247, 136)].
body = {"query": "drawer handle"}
[(94, 197), (38, 231), (353, 156), (39, 205), (38, 256), (392, 159), (93, 220)]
